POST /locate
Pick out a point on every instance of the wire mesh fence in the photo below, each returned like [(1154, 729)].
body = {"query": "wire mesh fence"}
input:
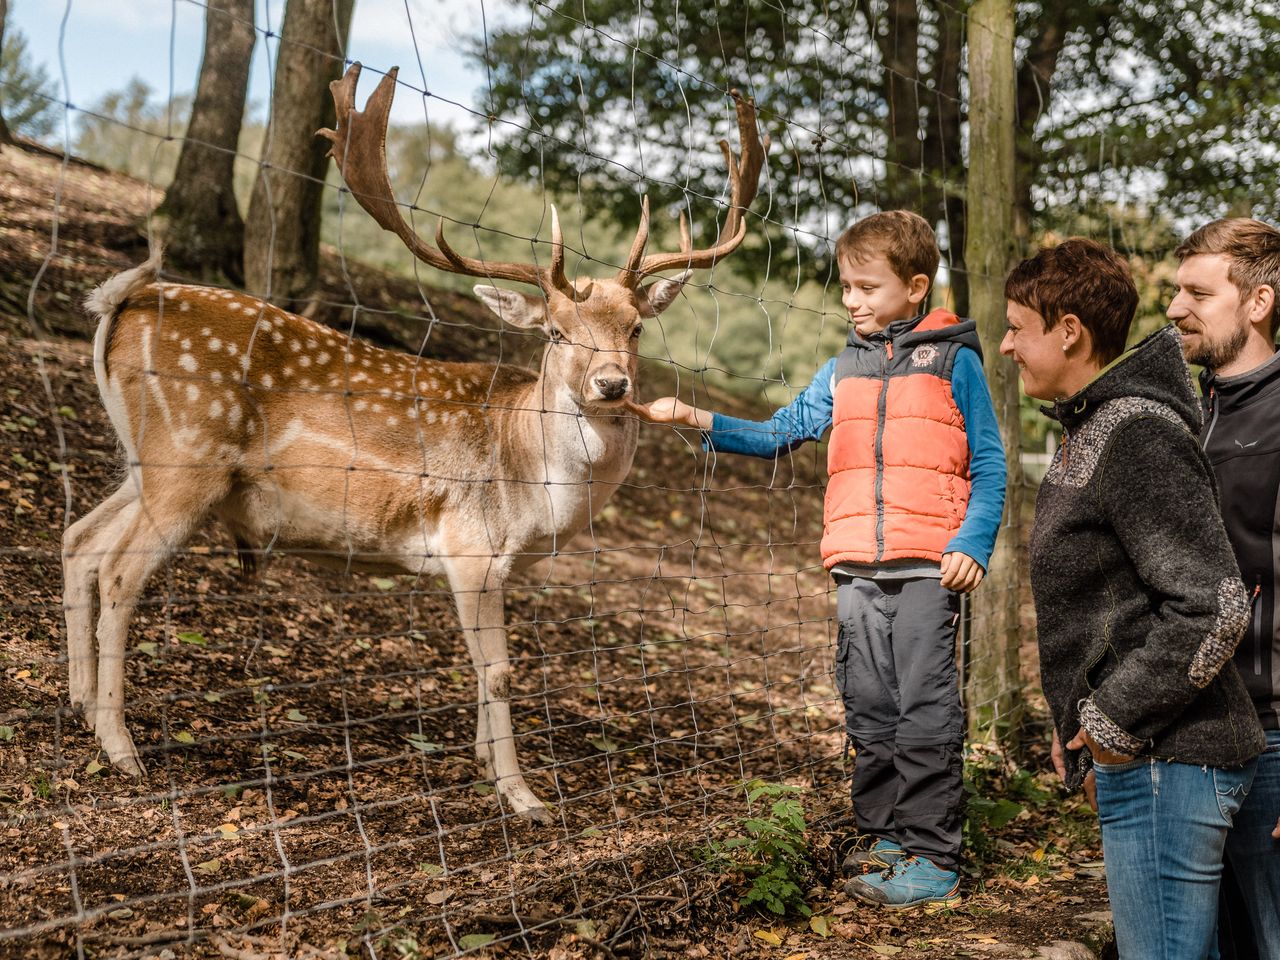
[(306, 734)]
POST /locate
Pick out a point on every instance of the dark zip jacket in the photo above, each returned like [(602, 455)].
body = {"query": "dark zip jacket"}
[(1242, 440), (1138, 597)]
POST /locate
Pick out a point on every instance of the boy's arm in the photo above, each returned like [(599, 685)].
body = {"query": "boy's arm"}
[(805, 418), (976, 537)]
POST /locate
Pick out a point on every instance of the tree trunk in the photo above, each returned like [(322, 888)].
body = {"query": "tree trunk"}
[(993, 684), (205, 235), (282, 235), (5, 135), (926, 174), (944, 170)]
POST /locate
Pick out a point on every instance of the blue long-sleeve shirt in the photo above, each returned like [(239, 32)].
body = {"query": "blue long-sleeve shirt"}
[(808, 417)]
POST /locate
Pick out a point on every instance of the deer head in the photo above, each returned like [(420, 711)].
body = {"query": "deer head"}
[(592, 327)]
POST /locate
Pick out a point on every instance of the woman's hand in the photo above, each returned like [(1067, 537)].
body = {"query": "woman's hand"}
[(673, 411), (1057, 756), (961, 573), (1082, 741)]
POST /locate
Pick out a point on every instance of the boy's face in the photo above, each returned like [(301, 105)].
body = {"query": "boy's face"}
[(875, 296)]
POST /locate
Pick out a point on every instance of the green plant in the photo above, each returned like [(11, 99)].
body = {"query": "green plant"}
[(996, 792), (770, 853)]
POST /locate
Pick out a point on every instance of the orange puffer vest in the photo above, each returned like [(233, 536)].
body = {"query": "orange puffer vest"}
[(898, 460)]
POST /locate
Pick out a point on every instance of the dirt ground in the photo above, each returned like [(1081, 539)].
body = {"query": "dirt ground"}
[(311, 788)]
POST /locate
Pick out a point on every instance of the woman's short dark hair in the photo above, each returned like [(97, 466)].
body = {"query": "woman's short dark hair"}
[(1082, 277)]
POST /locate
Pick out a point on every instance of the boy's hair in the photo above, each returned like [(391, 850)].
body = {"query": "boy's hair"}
[(1083, 277), (1253, 247), (903, 238)]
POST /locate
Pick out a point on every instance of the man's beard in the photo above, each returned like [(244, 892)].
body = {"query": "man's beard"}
[(1216, 354)]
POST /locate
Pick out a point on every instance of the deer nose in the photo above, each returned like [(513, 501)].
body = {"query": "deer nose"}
[(612, 388)]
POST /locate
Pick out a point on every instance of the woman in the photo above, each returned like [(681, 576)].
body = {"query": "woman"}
[(1138, 599)]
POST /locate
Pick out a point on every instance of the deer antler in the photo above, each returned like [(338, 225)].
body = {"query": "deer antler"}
[(744, 176), (359, 148)]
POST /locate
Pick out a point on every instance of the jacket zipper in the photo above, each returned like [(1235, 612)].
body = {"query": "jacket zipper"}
[(1213, 417), (882, 403), (1257, 627)]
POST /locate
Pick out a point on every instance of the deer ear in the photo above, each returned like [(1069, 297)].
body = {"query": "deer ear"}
[(518, 309), (660, 294)]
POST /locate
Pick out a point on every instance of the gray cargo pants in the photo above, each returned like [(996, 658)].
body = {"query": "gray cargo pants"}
[(895, 667)]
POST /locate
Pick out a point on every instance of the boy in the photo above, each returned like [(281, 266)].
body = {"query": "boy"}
[(916, 480)]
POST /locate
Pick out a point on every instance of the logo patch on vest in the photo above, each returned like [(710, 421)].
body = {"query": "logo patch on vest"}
[(924, 355)]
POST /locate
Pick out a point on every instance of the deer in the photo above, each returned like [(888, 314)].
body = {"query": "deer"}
[(298, 439)]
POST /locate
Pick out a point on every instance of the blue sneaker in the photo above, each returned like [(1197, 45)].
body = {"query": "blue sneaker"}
[(879, 854), (911, 882)]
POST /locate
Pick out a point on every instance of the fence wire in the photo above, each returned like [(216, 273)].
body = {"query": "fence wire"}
[(311, 786)]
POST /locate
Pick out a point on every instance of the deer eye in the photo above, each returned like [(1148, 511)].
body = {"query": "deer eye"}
[(556, 335), (639, 329)]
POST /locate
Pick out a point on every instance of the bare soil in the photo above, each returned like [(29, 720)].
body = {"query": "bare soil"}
[(311, 788)]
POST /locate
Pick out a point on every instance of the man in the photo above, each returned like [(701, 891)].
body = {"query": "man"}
[(1226, 311)]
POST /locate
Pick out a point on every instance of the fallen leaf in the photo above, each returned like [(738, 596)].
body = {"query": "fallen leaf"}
[(473, 940), (209, 866), (820, 925), (885, 950), (769, 937)]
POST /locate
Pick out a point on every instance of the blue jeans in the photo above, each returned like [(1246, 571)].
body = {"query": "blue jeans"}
[(1164, 827), (1253, 855)]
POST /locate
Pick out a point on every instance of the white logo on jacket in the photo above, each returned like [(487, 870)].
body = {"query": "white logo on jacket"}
[(924, 355)]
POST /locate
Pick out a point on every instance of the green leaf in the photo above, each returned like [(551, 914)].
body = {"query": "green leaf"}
[(473, 941), (148, 648), (184, 737), (383, 583), (294, 755), (93, 767), (209, 866), (7, 733), (484, 789), (430, 869), (190, 636), (419, 742), (213, 697), (296, 716), (67, 412), (604, 744)]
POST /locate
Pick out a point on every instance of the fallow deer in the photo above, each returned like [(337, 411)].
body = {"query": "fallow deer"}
[(300, 439)]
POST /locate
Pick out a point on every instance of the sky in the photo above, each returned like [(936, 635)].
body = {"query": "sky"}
[(91, 47)]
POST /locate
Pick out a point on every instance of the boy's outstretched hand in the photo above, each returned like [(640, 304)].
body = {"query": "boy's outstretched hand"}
[(671, 410), (960, 572)]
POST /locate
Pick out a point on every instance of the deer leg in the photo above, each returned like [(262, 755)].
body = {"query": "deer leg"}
[(479, 600), (149, 528), (83, 545)]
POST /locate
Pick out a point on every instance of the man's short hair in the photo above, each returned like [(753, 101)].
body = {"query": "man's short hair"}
[(903, 238), (1252, 247), (1083, 277)]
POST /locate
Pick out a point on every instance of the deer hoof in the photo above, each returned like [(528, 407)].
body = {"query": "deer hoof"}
[(122, 753), (538, 814)]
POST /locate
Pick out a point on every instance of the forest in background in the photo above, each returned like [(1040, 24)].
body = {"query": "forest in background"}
[(1132, 128)]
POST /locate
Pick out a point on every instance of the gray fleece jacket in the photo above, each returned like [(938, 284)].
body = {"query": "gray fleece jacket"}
[(1139, 602)]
